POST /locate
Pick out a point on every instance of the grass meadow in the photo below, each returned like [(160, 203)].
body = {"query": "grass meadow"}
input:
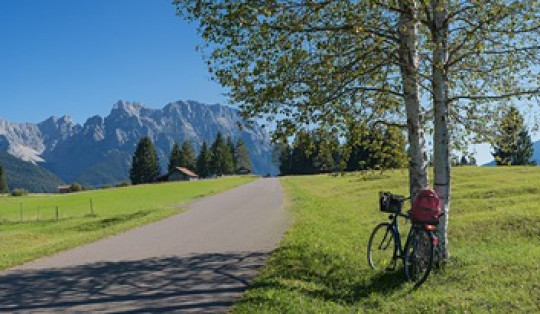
[(321, 264), (114, 211)]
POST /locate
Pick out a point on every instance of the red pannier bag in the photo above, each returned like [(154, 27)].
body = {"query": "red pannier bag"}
[(426, 207)]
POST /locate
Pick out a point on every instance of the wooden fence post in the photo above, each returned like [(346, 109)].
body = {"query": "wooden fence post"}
[(21, 212), (91, 207), (56, 212), (37, 214)]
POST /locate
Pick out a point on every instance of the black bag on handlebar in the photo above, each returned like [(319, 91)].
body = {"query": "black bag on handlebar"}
[(390, 203)]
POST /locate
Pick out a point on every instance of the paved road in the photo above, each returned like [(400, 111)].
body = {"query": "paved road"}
[(198, 261)]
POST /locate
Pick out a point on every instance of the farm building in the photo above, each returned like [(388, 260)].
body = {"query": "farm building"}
[(179, 174), (64, 188), (243, 170)]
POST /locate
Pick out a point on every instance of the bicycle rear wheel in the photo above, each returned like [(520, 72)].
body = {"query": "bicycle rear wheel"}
[(382, 248), (419, 252)]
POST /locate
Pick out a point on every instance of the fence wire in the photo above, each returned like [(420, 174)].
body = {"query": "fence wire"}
[(31, 211)]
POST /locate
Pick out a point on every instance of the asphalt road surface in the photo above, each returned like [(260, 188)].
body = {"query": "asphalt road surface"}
[(198, 261)]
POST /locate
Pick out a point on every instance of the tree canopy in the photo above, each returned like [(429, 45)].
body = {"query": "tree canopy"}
[(182, 157), (331, 64), (204, 161), (3, 182), (145, 164), (176, 158), (513, 144), (222, 158), (242, 159), (189, 156)]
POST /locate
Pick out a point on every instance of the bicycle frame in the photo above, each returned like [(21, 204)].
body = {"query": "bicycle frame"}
[(417, 254), (399, 247)]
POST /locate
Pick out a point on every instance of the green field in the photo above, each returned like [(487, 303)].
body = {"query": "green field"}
[(115, 210), (321, 265)]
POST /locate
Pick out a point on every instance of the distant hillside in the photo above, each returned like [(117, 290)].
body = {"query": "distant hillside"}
[(99, 151), (26, 175)]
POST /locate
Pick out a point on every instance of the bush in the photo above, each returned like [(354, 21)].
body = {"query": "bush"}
[(18, 192), (106, 186), (122, 184), (75, 187)]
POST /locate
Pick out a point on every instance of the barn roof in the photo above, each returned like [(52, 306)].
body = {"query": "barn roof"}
[(186, 171)]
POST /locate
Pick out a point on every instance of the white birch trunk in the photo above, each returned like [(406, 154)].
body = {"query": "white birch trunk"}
[(441, 140), (408, 57)]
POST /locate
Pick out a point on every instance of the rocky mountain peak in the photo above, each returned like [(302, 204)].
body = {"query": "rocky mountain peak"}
[(122, 107), (94, 120), (64, 123), (100, 151)]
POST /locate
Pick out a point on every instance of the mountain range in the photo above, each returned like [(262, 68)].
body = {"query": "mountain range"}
[(99, 151)]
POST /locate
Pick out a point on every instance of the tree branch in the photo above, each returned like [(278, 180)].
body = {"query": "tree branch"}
[(392, 124), (495, 97)]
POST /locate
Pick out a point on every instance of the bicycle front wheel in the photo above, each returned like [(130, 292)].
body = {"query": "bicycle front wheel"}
[(419, 252), (382, 248)]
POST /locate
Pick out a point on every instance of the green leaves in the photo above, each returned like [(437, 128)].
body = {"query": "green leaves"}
[(203, 161), (182, 157), (301, 64), (3, 183), (513, 144), (309, 62), (145, 163)]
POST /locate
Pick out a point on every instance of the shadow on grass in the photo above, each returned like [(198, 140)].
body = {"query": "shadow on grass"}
[(198, 283), (324, 276), (111, 221)]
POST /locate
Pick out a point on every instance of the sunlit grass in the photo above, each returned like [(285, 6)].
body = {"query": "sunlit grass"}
[(321, 264), (115, 210)]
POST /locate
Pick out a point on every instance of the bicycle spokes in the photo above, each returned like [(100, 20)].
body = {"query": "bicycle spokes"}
[(386, 241), (381, 248), (419, 256)]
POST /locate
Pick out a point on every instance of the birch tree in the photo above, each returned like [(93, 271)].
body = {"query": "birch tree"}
[(323, 63), (333, 63), (479, 53)]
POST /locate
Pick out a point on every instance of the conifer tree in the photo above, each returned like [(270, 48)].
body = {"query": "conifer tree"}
[(232, 149), (303, 154), (325, 146), (376, 147), (217, 156), (394, 148), (463, 161), (222, 159), (176, 158), (525, 149), (3, 181), (189, 156), (145, 163), (513, 144), (283, 152), (357, 142), (204, 161), (242, 156)]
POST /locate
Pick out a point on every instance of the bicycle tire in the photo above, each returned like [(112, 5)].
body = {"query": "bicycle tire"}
[(419, 254), (381, 252)]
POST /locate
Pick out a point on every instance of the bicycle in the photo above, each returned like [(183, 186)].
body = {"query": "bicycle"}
[(385, 246)]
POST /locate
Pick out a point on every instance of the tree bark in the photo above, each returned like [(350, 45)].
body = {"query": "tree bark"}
[(408, 58), (441, 140)]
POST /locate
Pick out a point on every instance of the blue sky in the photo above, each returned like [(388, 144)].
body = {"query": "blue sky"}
[(79, 57)]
